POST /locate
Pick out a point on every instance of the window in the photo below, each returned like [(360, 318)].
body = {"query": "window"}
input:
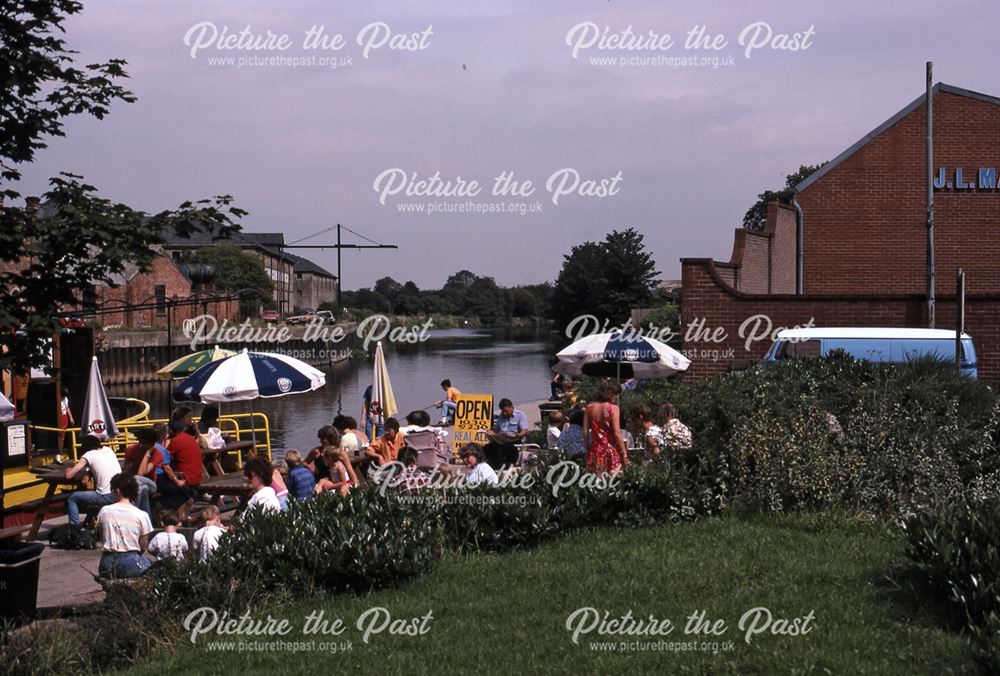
[(160, 291)]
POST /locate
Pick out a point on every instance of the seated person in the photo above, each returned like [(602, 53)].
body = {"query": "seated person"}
[(338, 479), (185, 472), (168, 543), (571, 439), (209, 434), (329, 438), (480, 471), (206, 539), (449, 403), (510, 427), (642, 418), (125, 531), (352, 439), (102, 464), (299, 480), (258, 473), (419, 421), (385, 449), (557, 421), (280, 488), (410, 480), (142, 460)]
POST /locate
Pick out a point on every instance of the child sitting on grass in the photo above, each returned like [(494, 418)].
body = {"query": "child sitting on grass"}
[(168, 543), (206, 539)]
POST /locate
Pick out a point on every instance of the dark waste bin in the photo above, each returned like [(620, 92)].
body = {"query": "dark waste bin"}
[(19, 563)]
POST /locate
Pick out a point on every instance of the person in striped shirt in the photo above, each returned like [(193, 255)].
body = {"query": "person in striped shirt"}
[(125, 531)]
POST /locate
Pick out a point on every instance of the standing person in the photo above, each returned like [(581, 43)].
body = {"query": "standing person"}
[(258, 473), (125, 531), (556, 387), (509, 428), (299, 480), (102, 464), (606, 452), (65, 419), (449, 403), (676, 435), (651, 433)]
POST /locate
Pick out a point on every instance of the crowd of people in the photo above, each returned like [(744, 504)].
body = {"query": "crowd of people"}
[(165, 465)]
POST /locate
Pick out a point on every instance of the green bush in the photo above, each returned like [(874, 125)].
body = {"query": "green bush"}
[(954, 548)]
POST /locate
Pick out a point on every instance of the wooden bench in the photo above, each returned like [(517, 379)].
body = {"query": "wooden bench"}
[(14, 532)]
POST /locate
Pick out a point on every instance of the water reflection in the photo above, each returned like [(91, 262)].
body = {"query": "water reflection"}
[(505, 363)]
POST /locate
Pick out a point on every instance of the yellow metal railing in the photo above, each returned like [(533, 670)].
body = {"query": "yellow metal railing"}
[(241, 426)]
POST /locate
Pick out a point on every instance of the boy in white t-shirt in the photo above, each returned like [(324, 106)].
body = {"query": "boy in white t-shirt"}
[(168, 544), (207, 539), (102, 464)]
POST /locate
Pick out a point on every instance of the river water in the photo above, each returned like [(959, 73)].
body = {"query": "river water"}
[(510, 363)]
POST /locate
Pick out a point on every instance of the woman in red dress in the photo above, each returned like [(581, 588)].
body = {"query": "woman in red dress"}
[(602, 433)]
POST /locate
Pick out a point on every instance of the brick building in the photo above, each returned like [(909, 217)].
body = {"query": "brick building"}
[(278, 265), (314, 285), (853, 251)]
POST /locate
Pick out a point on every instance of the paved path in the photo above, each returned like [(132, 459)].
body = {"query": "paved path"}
[(66, 576)]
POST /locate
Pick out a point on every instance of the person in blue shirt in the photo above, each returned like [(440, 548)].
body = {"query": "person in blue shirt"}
[(510, 427), (299, 481), (571, 439)]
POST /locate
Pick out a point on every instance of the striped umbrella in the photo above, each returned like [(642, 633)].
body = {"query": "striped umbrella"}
[(249, 375), (616, 355), (383, 400), (185, 366)]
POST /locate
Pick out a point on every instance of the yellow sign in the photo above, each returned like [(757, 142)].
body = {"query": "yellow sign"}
[(473, 417)]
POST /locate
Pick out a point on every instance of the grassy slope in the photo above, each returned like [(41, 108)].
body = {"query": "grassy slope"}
[(506, 614)]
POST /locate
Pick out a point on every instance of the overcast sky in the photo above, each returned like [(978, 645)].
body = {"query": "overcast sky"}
[(494, 87)]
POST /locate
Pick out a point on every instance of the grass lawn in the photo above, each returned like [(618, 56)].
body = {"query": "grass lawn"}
[(507, 614)]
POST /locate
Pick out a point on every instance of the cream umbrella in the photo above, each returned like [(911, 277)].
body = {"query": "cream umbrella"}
[(383, 403)]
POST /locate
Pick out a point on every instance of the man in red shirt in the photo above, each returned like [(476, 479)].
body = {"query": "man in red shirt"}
[(188, 470)]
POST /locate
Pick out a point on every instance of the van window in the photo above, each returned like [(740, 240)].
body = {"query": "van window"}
[(795, 349), (907, 349), (872, 349)]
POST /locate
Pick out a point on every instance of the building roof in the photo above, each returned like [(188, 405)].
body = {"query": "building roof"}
[(909, 108), (307, 266), (868, 332), (267, 240)]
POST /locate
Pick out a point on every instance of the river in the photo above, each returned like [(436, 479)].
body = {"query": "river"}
[(512, 363)]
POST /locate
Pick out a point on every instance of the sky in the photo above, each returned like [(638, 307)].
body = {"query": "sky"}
[(615, 124)]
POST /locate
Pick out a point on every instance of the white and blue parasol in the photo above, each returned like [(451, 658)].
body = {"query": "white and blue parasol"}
[(248, 375), (623, 356)]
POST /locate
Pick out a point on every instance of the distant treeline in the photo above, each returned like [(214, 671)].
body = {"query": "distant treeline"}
[(465, 294)]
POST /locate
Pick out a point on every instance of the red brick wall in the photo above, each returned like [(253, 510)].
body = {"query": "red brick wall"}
[(764, 261), (864, 221), (709, 302)]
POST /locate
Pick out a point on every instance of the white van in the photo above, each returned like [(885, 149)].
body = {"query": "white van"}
[(895, 346)]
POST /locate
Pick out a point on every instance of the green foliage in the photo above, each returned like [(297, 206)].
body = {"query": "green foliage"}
[(605, 279), (756, 216), (235, 269), (42, 86), (953, 547)]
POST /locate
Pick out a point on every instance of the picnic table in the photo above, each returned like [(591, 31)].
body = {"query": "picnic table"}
[(211, 456), (54, 475), (225, 484)]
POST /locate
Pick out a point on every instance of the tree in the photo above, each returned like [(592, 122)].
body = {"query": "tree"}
[(389, 288), (51, 258), (236, 269), (756, 216), (606, 279)]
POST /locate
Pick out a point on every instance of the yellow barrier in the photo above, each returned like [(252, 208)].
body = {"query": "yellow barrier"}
[(256, 427)]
